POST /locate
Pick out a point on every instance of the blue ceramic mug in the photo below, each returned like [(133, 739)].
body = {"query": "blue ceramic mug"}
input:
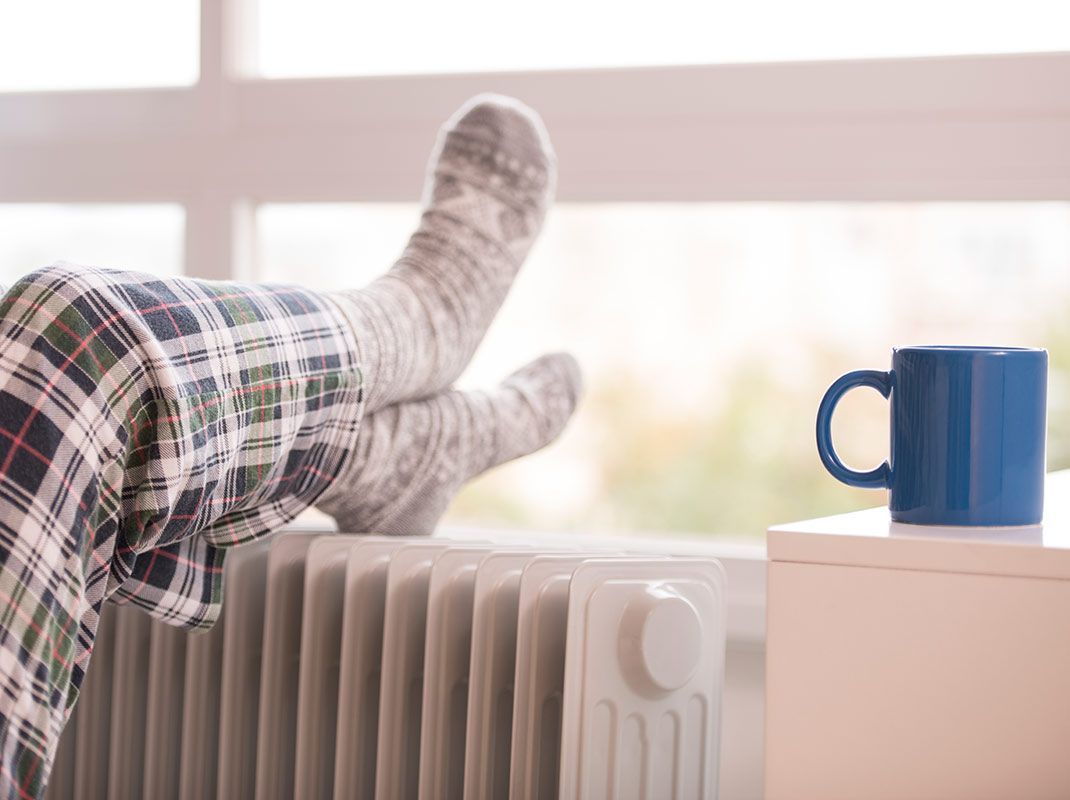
[(968, 434)]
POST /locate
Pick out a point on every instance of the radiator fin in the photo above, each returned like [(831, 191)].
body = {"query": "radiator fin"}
[(412, 668)]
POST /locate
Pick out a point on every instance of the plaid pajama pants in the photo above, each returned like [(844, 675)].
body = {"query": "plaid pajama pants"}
[(146, 425)]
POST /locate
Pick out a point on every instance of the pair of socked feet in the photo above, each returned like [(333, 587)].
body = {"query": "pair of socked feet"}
[(490, 182)]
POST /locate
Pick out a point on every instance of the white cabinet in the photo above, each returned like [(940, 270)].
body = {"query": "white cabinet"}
[(919, 662)]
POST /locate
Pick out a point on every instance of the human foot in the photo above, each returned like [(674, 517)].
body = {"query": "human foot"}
[(412, 458), (489, 185)]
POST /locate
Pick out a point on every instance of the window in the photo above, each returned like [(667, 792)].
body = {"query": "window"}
[(746, 232), (330, 245), (337, 37), (709, 331), (143, 238), (72, 44)]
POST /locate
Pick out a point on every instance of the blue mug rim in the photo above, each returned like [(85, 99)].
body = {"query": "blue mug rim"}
[(968, 349)]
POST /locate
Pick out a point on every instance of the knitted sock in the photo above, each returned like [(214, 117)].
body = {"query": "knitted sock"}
[(412, 457), (490, 182)]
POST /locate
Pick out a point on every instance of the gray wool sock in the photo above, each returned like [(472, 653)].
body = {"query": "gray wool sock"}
[(489, 184), (411, 458)]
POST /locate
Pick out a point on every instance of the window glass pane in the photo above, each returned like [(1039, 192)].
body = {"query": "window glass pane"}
[(708, 333), (331, 245), (74, 44), (337, 37), (145, 238)]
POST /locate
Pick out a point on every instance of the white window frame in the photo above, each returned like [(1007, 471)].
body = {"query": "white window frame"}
[(966, 128)]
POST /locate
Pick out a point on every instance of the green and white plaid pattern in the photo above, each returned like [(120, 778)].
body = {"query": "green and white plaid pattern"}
[(145, 426)]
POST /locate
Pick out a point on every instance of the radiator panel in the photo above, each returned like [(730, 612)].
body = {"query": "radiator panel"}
[(493, 659), (321, 644), (373, 667), (446, 672), (644, 659), (539, 680), (163, 714), (94, 715), (277, 723), (363, 615), (245, 589), (397, 771), (199, 757), (129, 697)]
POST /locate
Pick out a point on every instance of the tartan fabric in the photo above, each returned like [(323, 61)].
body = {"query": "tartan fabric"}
[(145, 426)]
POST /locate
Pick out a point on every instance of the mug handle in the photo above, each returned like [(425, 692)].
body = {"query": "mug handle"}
[(878, 478)]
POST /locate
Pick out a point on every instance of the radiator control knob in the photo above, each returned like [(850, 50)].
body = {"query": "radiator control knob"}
[(661, 640)]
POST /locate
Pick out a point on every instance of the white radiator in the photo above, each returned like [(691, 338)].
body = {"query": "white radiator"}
[(368, 667)]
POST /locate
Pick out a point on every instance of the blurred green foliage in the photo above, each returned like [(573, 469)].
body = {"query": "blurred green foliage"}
[(735, 471), (1058, 344)]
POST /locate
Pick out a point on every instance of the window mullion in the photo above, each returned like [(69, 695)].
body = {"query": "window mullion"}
[(228, 40), (218, 239), (219, 227)]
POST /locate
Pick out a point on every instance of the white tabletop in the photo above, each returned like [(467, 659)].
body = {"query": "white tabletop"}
[(870, 539)]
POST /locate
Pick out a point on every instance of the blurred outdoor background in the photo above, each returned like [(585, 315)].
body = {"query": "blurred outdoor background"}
[(707, 333)]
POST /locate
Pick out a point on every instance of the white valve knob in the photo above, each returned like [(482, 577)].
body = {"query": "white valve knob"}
[(661, 640)]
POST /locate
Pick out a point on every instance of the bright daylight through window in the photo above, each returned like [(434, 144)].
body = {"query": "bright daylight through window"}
[(338, 37), (145, 237), (84, 48), (707, 331), (691, 419)]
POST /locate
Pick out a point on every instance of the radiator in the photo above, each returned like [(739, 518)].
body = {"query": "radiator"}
[(458, 668)]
